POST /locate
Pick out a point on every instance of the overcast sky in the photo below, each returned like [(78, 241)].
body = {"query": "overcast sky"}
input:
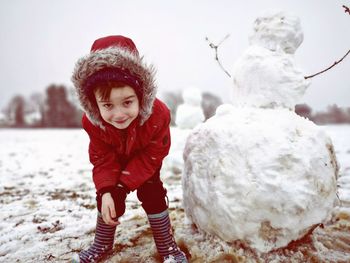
[(41, 41)]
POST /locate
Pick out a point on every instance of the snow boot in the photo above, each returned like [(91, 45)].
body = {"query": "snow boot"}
[(164, 239), (103, 243)]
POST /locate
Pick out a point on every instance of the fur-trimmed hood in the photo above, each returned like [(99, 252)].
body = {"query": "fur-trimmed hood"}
[(118, 56)]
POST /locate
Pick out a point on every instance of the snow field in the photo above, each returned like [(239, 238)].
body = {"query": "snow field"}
[(48, 207)]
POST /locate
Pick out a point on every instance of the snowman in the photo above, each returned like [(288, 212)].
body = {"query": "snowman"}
[(188, 115), (256, 171)]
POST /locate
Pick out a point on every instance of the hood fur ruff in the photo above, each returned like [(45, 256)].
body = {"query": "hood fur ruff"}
[(114, 57)]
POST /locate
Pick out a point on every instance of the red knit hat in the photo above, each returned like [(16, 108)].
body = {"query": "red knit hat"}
[(112, 74), (114, 58), (117, 41)]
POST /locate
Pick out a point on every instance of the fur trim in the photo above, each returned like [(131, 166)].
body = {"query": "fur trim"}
[(114, 57)]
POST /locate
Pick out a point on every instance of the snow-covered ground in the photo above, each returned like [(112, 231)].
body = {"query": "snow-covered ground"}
[(48, 209)]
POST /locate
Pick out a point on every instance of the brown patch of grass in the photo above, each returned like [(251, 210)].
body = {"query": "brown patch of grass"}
[(56, 226), (38, 220)]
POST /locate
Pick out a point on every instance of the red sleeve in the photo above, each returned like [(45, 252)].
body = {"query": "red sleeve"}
[(106, 168), (144, 165)]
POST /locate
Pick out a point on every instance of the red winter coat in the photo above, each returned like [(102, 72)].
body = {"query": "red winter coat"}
[(130, 156)]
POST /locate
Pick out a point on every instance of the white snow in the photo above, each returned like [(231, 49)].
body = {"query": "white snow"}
[(263, 176), (174, 161), (266, 75), (190, 113), (339, 135), (45, 177)]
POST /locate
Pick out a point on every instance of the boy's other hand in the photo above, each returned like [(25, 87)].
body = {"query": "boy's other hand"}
[(108, 211)]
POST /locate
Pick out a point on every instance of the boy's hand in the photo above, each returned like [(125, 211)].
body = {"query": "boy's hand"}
[(108, 211)]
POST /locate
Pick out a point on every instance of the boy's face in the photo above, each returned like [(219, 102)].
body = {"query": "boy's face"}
[(121, 108)]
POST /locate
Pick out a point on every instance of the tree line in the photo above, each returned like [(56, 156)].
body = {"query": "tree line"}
[(58, 107), (332, 115)]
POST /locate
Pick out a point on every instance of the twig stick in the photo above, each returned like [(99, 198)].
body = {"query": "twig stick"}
[(347, 9), (215, 47), (335, 63)]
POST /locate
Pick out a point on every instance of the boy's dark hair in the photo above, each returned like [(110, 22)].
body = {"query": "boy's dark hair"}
[(105, 88)]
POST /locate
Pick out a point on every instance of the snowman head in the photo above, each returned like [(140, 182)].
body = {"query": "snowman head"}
[(192, 96), (277, 31)]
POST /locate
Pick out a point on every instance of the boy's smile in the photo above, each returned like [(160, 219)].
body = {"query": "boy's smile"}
[(121, 108)]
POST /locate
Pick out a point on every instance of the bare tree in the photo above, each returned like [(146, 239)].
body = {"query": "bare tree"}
[(303, 110), (59, 111), (209, 104), (37, 101), (14, 111)]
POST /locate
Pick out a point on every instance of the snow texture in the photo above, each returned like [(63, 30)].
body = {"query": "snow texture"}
[(262, 176), (190, 113), (48, 208), (277, 31), (266, 75)]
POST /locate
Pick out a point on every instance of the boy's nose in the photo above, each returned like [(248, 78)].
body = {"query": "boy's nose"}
[(118, 114)]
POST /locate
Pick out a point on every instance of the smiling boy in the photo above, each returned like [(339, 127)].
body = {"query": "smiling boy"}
[(129, 136)]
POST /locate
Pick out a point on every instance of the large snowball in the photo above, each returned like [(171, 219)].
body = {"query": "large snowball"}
[(262, 176)]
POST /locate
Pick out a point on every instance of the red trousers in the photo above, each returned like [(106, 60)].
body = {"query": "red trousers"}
[(151, 194)]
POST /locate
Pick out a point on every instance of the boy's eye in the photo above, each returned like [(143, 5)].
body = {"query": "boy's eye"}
[(107, 105), (128, 102)]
